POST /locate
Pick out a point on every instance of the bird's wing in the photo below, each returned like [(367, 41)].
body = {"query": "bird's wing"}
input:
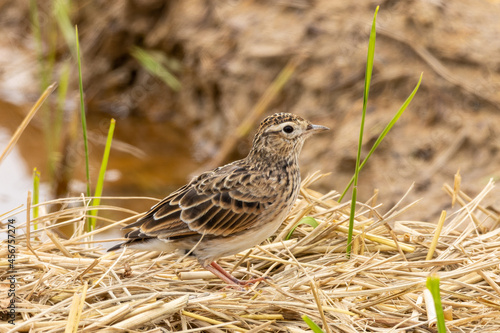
[(221, 202)]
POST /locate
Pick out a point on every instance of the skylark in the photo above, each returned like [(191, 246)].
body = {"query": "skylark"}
[(234, 207)]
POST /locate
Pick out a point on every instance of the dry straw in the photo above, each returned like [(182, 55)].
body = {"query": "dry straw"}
[(73, 285)]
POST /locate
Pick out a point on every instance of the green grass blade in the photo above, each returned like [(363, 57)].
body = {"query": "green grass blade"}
[(61, 98), (369, 60), (82, 111), (368, 78), (312, 325), (433, 286), (102, 173), (155, 67), (305, 220), (58, 121), (44, 71), (36, 194), (37, 34), (385, 132), (61, 11)]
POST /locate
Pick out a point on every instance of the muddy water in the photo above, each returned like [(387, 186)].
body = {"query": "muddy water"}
[(16, 170), (147, 159)]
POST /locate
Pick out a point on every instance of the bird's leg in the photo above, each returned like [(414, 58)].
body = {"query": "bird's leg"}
[(216, 269)]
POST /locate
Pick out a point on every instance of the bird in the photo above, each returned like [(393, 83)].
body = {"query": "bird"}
[(233, 207)]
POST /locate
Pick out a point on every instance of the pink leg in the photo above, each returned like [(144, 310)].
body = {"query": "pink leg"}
[(216, 269)]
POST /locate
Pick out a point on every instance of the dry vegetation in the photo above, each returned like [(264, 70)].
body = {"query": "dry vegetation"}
[(70, 285)]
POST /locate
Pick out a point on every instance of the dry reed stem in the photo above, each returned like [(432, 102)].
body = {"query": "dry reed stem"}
[(375, 290), (435, 239), (20, 129)]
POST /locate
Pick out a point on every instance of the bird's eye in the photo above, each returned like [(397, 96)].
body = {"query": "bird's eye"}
[(288, 129)]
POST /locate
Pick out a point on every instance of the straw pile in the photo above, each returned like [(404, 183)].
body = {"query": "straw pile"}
[(73, 285)]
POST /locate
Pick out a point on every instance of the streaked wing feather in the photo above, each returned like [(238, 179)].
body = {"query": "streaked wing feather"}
[(191, 198), (196, 212), (135, 234), (222, 202), (166, 210), (240, 223), (211, 215), (161, 207)]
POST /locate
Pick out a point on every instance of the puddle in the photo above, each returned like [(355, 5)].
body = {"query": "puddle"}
[(150, 159), (15, 177)]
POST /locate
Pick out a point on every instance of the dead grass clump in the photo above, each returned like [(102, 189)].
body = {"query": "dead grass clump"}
[(73, 285)]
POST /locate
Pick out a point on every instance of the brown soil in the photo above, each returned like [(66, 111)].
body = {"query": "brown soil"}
[(229, 52)]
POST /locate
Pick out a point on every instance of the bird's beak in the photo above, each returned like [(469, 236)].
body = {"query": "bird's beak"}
[(316, 128)]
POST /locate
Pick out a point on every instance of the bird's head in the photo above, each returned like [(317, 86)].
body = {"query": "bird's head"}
[(282, 135)]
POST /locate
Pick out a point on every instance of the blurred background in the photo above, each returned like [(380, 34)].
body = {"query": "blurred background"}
[(180, 76)]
